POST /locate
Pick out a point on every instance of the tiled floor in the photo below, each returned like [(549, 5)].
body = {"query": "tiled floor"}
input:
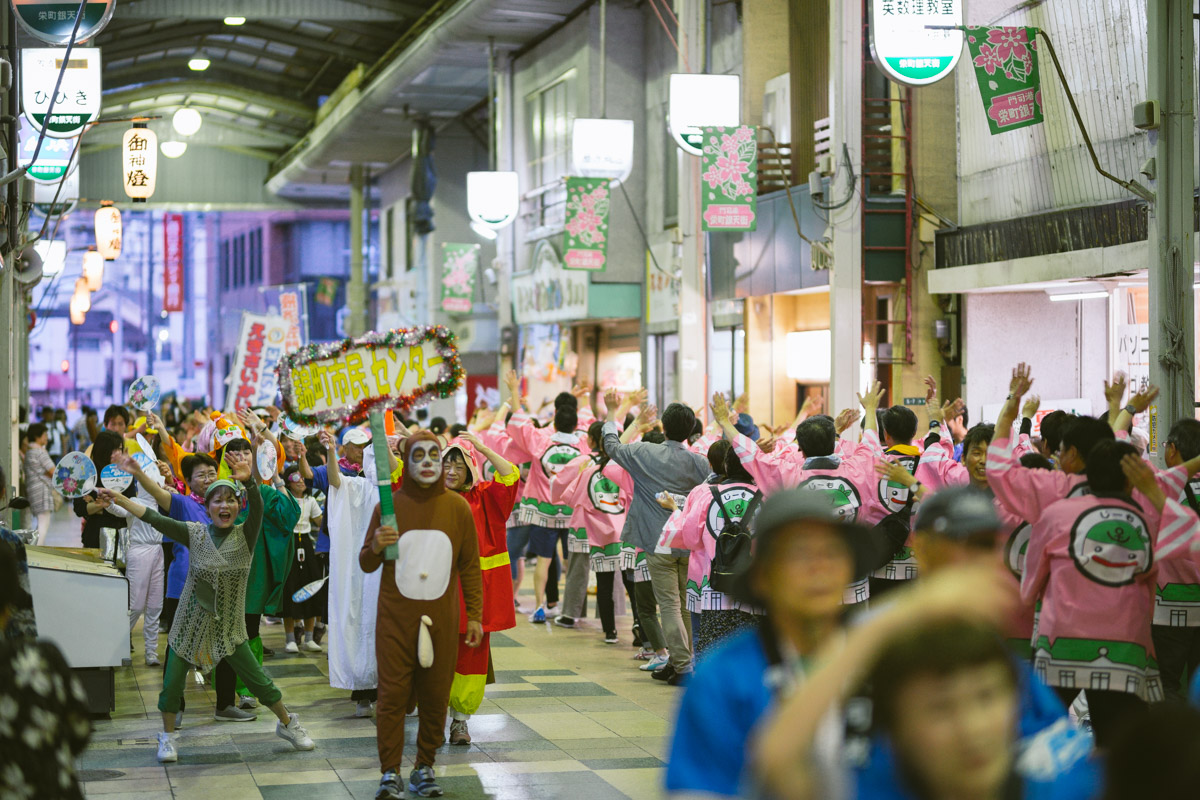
[(569, 717)]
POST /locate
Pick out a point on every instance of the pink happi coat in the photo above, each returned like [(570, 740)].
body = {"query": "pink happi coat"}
[(1093, 563), (598, 513), (548, 451), (1177, 595)]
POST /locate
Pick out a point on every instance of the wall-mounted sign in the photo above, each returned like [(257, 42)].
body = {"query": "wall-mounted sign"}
[(460, 263), (54, 161), (729, 193), (586, 234), (905, 49), (699, 99), (78, 101), (53, 21), (493, 198), (602, 148), (139, 162), (548, 292), (173, 269)]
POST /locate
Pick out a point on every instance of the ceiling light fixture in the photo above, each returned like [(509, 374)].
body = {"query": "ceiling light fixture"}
[(186, 121), (173, 149), (198, 63), (1062, 298), (235, 20)]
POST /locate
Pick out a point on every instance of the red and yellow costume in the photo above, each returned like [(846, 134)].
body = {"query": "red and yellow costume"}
[(491, 504)]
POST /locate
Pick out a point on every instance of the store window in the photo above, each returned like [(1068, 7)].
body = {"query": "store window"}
[(662, 368), (728, 374), (549, 114)]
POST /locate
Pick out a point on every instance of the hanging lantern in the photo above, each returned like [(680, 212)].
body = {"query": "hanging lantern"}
[(108, 231), (493, 198), (77, 316), (93, 270), (82, 298), (139, 162)]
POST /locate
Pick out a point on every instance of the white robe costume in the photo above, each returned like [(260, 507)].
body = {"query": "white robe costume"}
[(353, 594)]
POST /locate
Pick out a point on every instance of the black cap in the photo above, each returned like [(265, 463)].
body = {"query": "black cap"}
[(794, 506), (958, 512)]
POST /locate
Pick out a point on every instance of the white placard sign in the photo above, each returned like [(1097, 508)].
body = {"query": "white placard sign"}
[(78, 99)]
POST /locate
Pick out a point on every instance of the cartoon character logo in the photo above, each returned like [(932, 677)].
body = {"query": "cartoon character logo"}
[(841, 494), (1015, 548), (557, 456), (604, 494), (736, 502), (894, 496), (1111, 546)]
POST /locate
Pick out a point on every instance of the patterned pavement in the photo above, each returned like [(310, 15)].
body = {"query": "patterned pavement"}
[(568, 716)]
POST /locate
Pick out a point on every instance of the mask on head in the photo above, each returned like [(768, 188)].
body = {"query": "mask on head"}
[(424, 462)]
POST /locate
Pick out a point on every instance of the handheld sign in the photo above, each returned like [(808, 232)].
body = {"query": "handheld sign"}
[(355, 379), (75, 475)]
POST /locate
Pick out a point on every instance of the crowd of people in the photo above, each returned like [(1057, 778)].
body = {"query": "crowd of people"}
[(851, 605)]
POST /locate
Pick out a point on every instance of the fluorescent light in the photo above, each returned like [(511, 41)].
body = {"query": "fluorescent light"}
[(808, 356), (186, 121), (697, 100), (235, 20), (198, 64), (483, 230), (173, 149), (1061, 298)]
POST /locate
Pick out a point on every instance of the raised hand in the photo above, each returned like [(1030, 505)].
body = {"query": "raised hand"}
[(1113, 392), (124, 461), (720, 410), (1031, 406), (1021, 381), (1142, 400), (326, 439), (931, 391), (870, 399), (845, 419), (612, 402)]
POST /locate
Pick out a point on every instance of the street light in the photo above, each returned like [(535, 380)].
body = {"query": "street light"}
[(186, 121), (493, 198)]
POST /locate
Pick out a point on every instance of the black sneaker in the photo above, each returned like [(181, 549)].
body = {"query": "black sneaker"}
[(268, 652), (319, 633), (389, 787), (563, 621), (679, 679), (422, 784), (664, 674)]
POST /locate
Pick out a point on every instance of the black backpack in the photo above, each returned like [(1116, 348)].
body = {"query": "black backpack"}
[(734, 545)]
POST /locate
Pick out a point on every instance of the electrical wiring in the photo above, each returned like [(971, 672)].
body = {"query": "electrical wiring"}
[(852, 180)]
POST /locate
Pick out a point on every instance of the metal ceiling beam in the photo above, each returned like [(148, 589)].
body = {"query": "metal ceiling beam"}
[(221, 71), (211, 48), (264, 9), (189, 87), (125, 46)]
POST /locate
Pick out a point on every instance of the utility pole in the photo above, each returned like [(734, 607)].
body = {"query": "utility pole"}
[(356, 291), (1171, 246), (9, 354), (845, 280)]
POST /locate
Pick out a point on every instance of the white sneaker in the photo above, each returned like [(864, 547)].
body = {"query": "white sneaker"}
[(294, 732), (166, 747), (247, 702), (152, 660), (312, 647), (654, 664), (292, 647), (364, 710)]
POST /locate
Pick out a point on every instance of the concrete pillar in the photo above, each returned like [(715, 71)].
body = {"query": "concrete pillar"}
[(1172, 249), (356, 291), (845, 295), (693, 298)]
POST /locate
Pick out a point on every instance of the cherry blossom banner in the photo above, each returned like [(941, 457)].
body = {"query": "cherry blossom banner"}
[(586, 245), (460, 262), (730, 175), (1006, 66)]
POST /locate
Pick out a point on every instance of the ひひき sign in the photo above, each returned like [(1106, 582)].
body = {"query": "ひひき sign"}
[(345, 381), (77, 103)]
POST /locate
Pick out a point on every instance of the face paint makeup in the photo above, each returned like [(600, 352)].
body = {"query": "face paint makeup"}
[(425, 463)]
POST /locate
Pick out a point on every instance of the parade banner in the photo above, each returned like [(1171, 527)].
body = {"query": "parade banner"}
[(252, 382), (460, 263), (342, 382), (1006, 67), (729, 202), (173, 262), (586, 237)]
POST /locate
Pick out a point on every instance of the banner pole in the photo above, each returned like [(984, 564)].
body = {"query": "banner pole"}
[(383, 479)]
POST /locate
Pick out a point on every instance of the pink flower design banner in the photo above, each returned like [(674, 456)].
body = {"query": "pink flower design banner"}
[(460, 262), (1007, 70), (729, 172), (586, 245)]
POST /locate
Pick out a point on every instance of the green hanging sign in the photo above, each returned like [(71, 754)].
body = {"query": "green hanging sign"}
[(53, 21), (460, 262), (729, 169), (586, 236), (1006, 67)]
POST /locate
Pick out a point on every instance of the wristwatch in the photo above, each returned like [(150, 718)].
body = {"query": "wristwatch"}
[(1133, 412)]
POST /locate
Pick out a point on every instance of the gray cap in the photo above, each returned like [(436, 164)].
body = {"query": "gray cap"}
[(958, 512)]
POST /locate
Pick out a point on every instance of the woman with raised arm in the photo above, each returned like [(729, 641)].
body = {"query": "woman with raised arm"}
[(211, 624)]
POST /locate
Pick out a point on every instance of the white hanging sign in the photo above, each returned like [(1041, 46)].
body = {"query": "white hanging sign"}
[(905, 49), (78, 101)]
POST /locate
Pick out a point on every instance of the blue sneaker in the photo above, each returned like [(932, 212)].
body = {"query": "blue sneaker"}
[(538, 617), (422, 784)]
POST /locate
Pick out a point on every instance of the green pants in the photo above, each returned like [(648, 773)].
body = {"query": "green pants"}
[(244, 664)]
